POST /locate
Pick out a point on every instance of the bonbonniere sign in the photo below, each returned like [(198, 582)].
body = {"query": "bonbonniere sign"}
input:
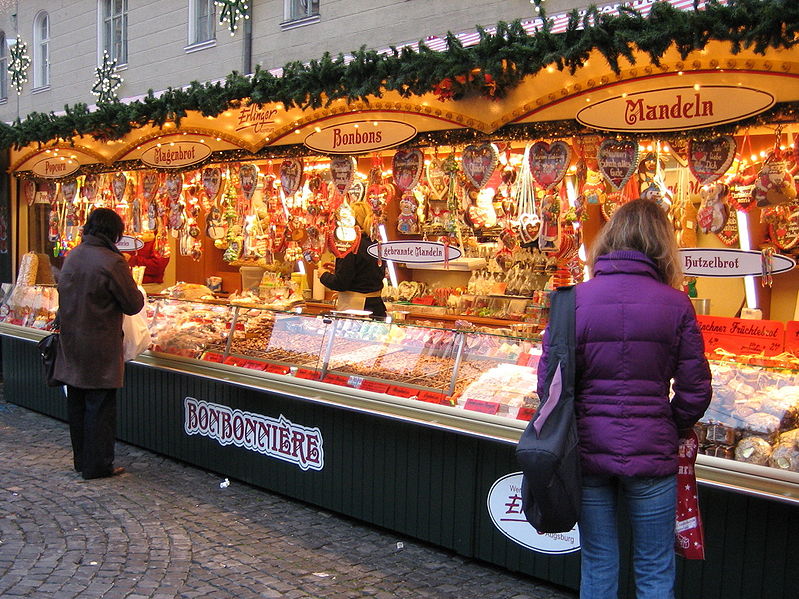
[(357, 137), (676, 108), (723, 262), (55, 167), (414, 252), (127, 243), (175, 154)]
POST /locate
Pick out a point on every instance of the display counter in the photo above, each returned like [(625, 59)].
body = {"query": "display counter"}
[(413, 428)]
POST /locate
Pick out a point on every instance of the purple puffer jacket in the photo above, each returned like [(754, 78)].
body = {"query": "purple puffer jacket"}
[(634, 335)]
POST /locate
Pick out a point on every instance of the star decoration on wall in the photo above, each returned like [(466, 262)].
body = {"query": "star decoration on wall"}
[(107, 81), (232, 11), (18, 67)]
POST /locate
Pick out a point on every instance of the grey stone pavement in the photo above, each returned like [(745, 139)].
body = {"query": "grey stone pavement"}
[(164, 529)]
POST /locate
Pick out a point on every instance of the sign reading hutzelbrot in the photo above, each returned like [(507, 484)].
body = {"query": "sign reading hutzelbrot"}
[(722, 262)]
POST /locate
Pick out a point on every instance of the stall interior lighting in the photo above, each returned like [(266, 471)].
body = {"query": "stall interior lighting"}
[(392, 273), (746, 244)]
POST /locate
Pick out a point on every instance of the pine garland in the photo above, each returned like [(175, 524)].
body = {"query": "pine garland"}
[(493, 67)]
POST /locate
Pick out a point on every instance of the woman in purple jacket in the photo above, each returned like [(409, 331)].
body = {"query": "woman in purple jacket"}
[(637, 336)]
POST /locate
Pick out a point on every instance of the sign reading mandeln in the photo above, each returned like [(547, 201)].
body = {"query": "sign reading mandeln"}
[(277, 438), (676, 108)]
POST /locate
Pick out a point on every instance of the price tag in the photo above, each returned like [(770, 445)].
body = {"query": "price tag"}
[(254, 364), (742, 336), (484, 407), (211, 356), (277, 369), (355, 382), (433, 397), (374, 386), (304, 373), (233, 361), (335, 379), (402, 391), (792, 337), (525, 414)]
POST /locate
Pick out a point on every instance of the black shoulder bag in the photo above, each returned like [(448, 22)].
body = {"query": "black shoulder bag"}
[(48, 350), (547, 450)]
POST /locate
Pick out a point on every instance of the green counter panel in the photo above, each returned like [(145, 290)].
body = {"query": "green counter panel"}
[(419, 481)]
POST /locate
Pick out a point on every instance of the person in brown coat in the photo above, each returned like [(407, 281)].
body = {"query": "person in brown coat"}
[(95, 289)]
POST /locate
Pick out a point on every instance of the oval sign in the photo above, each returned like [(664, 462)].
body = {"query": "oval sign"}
[(721, 262), (505, 508), (414, 252), (55, 167), (175, 154), (676, 108), (129, 244), (357, 137)]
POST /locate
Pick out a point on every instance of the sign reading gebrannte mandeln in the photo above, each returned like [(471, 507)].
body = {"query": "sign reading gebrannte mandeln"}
[(730, 262), (277, 438), (676, 108), (414, 252), (175, 154), (357, 137)]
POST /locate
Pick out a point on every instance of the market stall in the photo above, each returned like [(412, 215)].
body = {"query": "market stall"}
[(483, 197)]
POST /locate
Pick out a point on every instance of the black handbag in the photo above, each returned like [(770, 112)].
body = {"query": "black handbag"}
[(547, 451), (48, 350)]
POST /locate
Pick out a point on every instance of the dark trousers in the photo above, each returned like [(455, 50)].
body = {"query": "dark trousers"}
[(92, 428)]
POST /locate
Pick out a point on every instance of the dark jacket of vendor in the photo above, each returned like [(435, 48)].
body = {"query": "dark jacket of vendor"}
[(357, 271)]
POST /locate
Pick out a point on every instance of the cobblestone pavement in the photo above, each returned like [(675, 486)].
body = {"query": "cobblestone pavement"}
[(164, 529)]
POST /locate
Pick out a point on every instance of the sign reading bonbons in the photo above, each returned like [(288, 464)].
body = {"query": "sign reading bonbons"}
[(505, 508), (357, 137), (414, 252), (277, 438), (723, 262)]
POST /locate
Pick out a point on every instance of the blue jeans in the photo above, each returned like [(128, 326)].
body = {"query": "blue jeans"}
[(651, 503)]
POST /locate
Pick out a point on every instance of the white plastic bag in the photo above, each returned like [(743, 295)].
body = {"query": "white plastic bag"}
[(136, 334)]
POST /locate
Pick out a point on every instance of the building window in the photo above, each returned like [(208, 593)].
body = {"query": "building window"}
[(114, 29), (41, 50), (3, 67), (301, 9), (202, 21)]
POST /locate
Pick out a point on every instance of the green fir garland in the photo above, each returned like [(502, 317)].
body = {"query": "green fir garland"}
[(493, 67)]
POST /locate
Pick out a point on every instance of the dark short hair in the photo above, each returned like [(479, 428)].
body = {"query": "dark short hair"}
[(104, 221)]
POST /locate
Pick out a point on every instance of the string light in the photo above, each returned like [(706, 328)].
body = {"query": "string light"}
[(18, 67), (107, 82)]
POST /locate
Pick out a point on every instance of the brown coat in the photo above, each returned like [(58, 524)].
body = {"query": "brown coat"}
[(95, 288)]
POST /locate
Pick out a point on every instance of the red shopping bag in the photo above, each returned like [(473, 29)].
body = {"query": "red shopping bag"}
[(690, 538)]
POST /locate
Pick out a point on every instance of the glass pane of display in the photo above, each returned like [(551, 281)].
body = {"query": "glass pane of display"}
[(190, 329)]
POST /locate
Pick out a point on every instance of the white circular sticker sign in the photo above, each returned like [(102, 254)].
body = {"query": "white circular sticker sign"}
[(505, 508)]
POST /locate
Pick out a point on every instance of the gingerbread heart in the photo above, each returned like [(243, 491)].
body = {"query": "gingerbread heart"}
[(118, 184), (549, 162), (149, 185), (291, 175), (89, 188), (617, 159), (407, 166), (709, 159), (478, 163), (212, 182), (437, 178), (342, 172), (68, 189), (248, 179), (29, 190), (356, 192), (174, 185)]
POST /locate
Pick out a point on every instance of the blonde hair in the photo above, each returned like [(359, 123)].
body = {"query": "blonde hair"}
[(642, 226), (363, 216)]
